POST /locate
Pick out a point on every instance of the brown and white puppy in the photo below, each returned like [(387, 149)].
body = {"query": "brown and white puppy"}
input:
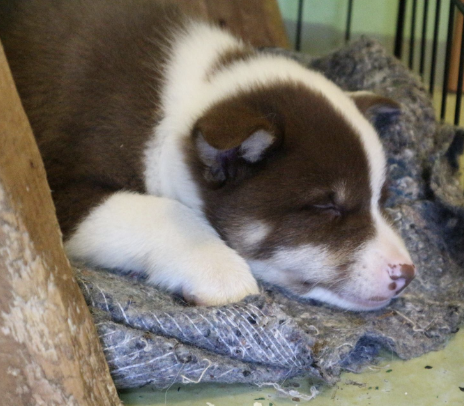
[(172, 148)]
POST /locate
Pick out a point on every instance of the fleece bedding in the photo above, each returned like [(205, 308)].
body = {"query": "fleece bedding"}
[(151, 337)]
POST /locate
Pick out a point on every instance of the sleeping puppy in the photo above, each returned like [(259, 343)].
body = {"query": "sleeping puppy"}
[(174, 149)]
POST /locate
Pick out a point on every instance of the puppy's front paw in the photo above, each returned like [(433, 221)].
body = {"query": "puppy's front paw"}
[(220, 278)]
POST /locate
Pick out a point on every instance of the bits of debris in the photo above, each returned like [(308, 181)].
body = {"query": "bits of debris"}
[(350, 382)]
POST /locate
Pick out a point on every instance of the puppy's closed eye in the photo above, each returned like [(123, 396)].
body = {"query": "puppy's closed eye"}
[(325, 208), (329, 208)]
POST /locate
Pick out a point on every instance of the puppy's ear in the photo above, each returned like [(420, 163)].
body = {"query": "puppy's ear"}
[(379, 110), (228, 140)]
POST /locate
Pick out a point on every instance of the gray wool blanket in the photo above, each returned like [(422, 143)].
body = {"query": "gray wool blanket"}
[(150, 337)]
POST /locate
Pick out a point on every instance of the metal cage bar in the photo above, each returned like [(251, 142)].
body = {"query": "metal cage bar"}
[(348, 20), (299, 25), (398, 51), (433, 65), (424, 38), (412, 57), (412, 34), (457, 110)]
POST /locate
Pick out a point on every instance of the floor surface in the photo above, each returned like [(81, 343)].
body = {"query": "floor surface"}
[(434, 379)]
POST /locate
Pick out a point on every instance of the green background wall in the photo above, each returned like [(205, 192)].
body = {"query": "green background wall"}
[(325, 20)]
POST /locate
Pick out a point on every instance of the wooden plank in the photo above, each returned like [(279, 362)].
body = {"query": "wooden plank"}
[(275, 23), (194, 7), (257, 21), (226, 14), (49, 349)]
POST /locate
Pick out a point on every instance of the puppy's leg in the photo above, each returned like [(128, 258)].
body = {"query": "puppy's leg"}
[(176, 248)]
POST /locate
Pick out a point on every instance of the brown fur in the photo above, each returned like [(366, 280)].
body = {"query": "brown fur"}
[(88, 76), (91, 93), (320, 151), (230, 57)]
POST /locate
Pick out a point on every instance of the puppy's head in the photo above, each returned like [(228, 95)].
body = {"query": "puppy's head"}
[(294, 179)]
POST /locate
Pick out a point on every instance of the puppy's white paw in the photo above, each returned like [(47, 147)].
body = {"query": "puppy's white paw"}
[(220, 277)]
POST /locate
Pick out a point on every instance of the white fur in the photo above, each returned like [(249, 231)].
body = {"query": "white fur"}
[(251, 234), (371, 279), (190, 89), (368, 281), (290, 264), (374, 262), (254, 146), (251, 149), (166, 173), (349, 303), (177, 249), (174, 243)]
